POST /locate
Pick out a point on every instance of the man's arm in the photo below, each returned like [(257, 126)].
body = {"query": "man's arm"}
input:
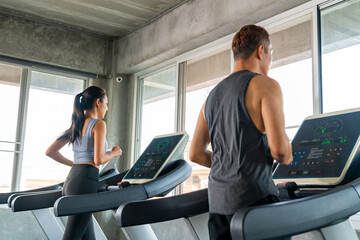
[(198, 150), (274, 123)]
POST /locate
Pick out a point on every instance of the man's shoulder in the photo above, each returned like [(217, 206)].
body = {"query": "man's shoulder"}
[(266, 82)]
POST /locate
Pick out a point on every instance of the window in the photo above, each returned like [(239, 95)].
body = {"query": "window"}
[(10, 78), (292, 68), (340, 45), (50, 106), (158, 105), (203, 73)]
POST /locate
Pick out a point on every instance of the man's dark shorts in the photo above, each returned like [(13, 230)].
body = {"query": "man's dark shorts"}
[(219, 225)]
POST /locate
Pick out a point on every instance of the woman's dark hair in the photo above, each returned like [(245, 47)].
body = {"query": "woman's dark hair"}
[(83, 101), (247, 39)]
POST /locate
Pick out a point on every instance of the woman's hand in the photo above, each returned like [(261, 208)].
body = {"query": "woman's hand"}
[(116, 151)]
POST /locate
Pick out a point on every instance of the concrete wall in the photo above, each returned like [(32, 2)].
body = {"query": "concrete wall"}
[(190, 26), (292, 44), (10, 74), (53, 45), (202, 73)]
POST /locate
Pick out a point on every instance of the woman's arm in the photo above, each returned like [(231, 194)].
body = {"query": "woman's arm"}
[(100, 157), (53, 152)]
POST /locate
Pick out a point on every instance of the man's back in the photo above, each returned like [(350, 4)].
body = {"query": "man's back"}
[(241, 161)]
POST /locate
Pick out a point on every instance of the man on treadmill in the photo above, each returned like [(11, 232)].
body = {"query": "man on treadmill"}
[(243, 120)]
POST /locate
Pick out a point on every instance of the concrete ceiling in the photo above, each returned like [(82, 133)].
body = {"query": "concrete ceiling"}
[(107, 18)]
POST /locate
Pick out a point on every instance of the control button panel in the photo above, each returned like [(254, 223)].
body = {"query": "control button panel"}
[(322, 147)]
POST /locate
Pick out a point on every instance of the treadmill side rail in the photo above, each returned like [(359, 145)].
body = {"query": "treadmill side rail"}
[(165, 183), (5, 196), (163, 209), (34, 200), (294, 217)]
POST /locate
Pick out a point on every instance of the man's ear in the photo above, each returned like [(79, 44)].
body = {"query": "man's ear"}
[(260, 51)]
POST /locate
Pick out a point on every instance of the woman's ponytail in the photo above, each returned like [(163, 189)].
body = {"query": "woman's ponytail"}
[(83, 101), (78, 118), (77, 121)]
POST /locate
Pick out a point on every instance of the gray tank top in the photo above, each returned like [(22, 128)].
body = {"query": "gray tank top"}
[(241, 163), (83, 147)]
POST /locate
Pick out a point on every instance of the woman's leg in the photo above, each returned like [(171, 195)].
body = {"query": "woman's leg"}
[(80, 226)]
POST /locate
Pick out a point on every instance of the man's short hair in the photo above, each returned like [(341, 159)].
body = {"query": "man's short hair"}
[(248, 39)]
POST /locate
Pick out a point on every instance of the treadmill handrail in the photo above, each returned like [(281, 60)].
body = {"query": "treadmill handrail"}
[(31, 194), (297, 216), (95, 202), (169, 180), (163, 209), (5, 196), (33, 200)]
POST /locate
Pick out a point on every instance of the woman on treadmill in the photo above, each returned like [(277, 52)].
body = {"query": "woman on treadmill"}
[(87, 134)]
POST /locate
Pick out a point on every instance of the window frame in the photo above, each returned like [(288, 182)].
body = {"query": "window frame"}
[(23, 106), (137, 111)]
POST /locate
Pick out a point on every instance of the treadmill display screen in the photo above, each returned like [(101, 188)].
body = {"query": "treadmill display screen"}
[(154, 157), (322, 147)]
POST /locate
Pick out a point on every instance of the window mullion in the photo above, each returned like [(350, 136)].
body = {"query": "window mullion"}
[(317, 69), (20, 129)]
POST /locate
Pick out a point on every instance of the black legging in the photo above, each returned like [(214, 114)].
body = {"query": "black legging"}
[(82, 179)]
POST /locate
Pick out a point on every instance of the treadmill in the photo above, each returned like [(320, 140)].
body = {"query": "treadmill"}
[(320, 189), (157, 172)]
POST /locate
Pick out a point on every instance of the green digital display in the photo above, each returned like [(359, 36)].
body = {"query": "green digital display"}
[(327, 142), (163, 145)]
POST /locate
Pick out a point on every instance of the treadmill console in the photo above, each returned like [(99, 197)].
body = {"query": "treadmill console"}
[(323, 149), (162, 150)]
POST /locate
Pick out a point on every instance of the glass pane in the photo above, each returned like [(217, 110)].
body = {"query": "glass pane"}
[(6, 161), (10, 90), (203, 73), (158, 106), (194, 102), (340, 37), (10, 77), (50, 106), (297, 90), (292, 68)]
